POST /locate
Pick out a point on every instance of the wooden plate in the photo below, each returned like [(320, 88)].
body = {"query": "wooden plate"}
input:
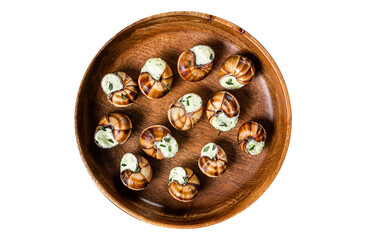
[(265, 100)]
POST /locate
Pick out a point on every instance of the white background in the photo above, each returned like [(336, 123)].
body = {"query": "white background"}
[(46, 192)]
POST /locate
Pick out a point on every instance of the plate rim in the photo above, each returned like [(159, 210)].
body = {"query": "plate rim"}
[(256, 192)]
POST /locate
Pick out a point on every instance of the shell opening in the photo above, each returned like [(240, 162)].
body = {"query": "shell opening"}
[(129, 162), (204, 54), (104, 138), (253, 147), (155, 67), (111, 83), (168, 146), (209, 150)]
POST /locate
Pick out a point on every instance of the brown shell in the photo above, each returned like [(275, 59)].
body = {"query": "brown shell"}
[(182, 120), (127, 95), (149, 136), (250, 130), (188, 69), (213, 167), (222, 101), (120, 124), (138, 180), (187, 192), (156, 89), (240, 67)]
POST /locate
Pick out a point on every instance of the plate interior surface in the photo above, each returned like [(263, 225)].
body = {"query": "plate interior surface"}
[(265, 100)]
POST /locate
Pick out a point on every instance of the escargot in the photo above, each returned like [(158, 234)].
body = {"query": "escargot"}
[(135, 171), (183, 184), (120, 89), (236, 72), (194, 64), (156, 78), (113, 129), (223, 111), (251, 138), (158, 142), (184, 113), (213, 160)]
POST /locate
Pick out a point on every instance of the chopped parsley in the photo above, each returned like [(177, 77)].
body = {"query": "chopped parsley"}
[(230, 82)]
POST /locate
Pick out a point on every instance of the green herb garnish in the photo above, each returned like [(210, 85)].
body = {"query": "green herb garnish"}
[(169, 148), (185, 179), (230, 82), (213, 147), (219, 133), (170, 180), (187, 103), (110, 86), (162, 145), (166, 139), (110, 140), (167, 86), (123, 96), (189, 96), (101, 128), (222, 124), (206, 149), (189, 63), (137, 170), (211, 56), (251, 148), (181, 100), (123, 164)]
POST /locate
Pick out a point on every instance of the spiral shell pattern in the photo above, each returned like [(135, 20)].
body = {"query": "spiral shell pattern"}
[(225, 102), (119, 123), (216, 166), (188, 191), (151, 135), (240, 67), (250, 130), (182, 120), (127, 95), (154, 89), (138, 180), (188, 69)]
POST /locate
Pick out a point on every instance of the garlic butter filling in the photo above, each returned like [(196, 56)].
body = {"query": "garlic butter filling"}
[(155, 67), (168, 146), (111, 83), (224, 123), (179, 175), (104, 138), (129, 162), (230, 82), (192, 102), (253, 147), (209, 150), (204, 54)]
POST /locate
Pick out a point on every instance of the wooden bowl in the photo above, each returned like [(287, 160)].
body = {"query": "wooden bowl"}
[(265, 101)]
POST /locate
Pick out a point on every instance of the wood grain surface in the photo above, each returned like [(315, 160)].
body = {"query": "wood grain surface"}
[(265, 101)]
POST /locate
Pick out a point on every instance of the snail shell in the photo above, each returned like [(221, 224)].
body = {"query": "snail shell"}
[(185, 192), (120, 89), (139, 179), (154, 134), (178, 115), (251, 134), (239, 67), (215, 166), (159, 87), (119, 127), (188, 66), (223, 103)]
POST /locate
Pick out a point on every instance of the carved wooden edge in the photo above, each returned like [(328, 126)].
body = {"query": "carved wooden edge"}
[(241, 205)]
